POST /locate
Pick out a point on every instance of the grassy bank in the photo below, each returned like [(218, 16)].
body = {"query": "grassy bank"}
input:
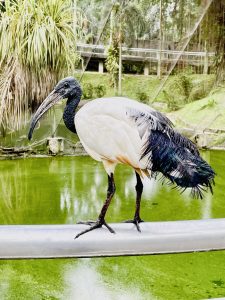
[(135, 85), (206, 113)]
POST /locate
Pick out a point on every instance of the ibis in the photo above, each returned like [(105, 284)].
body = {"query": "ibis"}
[(118, 130)]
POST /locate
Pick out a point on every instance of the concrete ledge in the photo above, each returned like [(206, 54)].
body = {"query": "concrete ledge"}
[(55, 241)]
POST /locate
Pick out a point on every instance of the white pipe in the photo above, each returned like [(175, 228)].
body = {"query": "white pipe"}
[(52, 241)]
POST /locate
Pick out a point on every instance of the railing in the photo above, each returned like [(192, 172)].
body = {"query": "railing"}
[(142, 54), (51, 241)]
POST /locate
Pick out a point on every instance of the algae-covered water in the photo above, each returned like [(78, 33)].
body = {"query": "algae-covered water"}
[(68, 189)]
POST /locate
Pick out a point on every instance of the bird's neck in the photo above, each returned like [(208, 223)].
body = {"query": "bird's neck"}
[(69, 114)]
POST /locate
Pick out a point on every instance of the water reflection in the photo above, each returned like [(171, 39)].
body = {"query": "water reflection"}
[(65, 190), (50, 121), (65, 201), (207, 207), (84, 282), (207, 203)]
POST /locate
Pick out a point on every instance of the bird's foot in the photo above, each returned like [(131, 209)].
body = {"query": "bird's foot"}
[(89, 222), (94, 225), (136, 222)]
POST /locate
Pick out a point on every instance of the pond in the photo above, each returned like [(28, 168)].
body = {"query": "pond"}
[(68, 189)]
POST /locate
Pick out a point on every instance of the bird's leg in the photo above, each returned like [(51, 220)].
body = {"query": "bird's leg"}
[(101, 218), (139, 189)]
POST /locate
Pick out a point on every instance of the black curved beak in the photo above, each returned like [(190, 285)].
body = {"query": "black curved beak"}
[(51, 100)]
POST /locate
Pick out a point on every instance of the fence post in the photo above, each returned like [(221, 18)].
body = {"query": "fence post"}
[(158, 56), (100, 67), (146, 69), (206, 63)]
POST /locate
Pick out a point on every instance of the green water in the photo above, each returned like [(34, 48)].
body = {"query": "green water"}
[(65, 190)]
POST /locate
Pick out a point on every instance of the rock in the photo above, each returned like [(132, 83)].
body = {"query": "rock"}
[(161, 106), (55, 145), (202, 140)]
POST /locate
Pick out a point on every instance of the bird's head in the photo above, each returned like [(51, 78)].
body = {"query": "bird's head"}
[(67, 88)]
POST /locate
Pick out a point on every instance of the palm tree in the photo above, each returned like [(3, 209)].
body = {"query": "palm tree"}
[(220, 43), (37, 47)]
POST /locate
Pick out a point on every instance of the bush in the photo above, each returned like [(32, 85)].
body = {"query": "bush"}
[(112, 63), (185, 85), (142, 96), (188, 70), (178, 91), (198, 92), (172, 102), (88, 91), (201, 90), (100, 90)]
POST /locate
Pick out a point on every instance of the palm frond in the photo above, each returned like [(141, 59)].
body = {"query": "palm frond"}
[(37, 47)]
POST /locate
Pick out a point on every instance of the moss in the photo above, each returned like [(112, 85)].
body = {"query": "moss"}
[(73, 189)]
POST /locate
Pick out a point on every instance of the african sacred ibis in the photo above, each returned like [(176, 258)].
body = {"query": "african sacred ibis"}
[(120, 130)]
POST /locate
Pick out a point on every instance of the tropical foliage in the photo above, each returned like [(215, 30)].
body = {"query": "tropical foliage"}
[(37, 47), (112, 63)]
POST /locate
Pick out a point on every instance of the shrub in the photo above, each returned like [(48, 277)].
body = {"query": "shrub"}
[(142, 96), (100, 90), (188, 70), (198, 92), (112, 63), (201, 90), (172, 102), (180, 86), (88, 91), (185, 85)]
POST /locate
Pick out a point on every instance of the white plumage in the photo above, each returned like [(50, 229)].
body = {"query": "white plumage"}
[(109, 133)]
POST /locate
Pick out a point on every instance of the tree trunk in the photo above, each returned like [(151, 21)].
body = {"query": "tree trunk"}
[(112, 24), (220, 45), (120, 69), (159, 72)]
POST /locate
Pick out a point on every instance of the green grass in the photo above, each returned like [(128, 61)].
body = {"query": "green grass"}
[(130, 83), (208, 112)]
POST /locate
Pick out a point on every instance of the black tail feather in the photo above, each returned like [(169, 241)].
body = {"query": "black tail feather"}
[(178, 163)]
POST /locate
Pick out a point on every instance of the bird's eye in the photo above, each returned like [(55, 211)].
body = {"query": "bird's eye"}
[(66, 85)]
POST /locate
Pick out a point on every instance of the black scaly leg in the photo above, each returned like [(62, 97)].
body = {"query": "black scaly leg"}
[(139, 189), (101, 218)]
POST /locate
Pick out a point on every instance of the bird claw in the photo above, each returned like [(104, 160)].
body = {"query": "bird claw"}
[(136, 222), (89, 222), (94, 225)]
